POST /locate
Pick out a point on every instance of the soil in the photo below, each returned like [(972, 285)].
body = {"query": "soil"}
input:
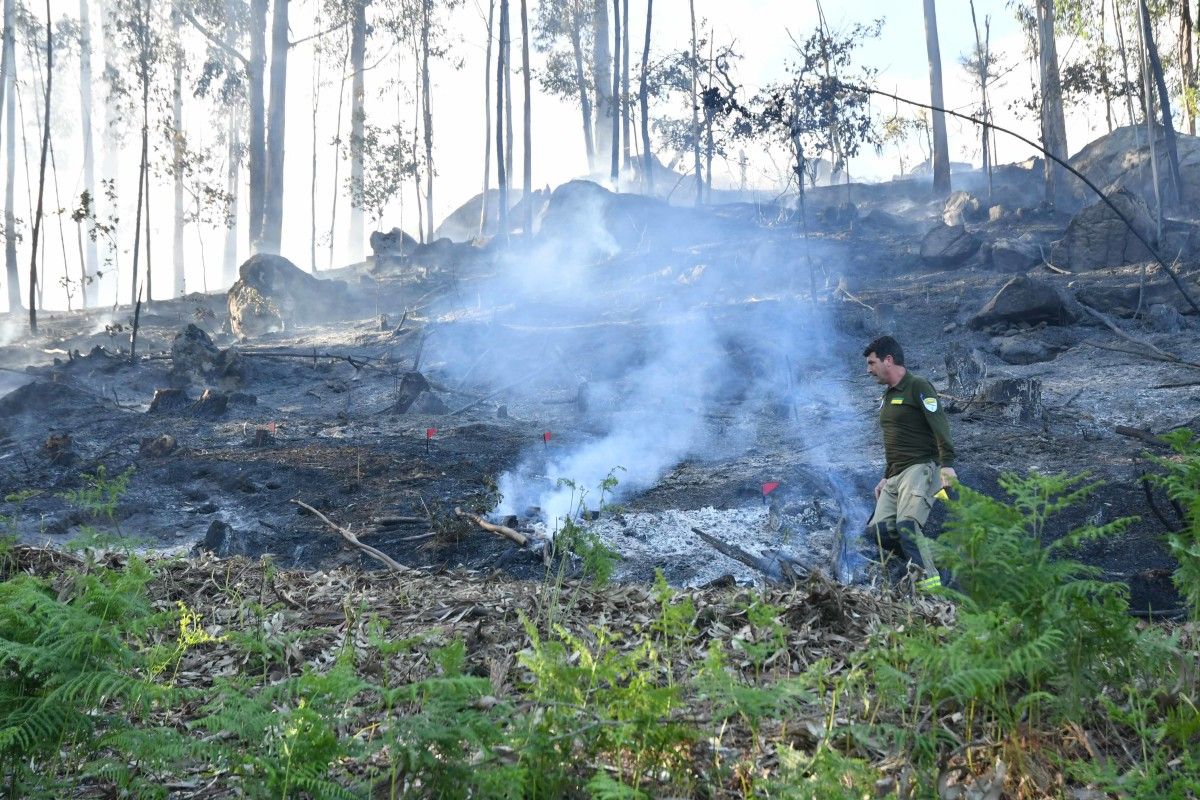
[(310, 415)]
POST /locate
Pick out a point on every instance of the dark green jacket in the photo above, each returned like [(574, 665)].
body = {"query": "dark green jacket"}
[(915, 428)]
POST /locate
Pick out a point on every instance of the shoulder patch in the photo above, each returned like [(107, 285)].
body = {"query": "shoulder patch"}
[(930, 403), (897, 401)]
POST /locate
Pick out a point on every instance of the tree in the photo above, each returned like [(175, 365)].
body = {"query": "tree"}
[(37, 217), (644, 101), (10, 221), (601, 70), (980, 64), (272, 227), (1164, 102), (615, 161), (1054, 126), (487, 123), (1187, 64), (501, 82), (91, 286), (178, 149), (358, 50), (941, 152), (527, 193), (565, 74), (695, 110)]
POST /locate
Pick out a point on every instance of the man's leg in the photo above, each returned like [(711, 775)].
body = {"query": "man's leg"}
[(882, 545), (915, 490)]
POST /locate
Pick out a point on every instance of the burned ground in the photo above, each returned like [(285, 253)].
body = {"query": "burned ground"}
[(509, 352)]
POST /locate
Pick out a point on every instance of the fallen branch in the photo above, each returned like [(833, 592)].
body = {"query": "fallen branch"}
[(775, 565), (383, 558), (1138, 433), (1163, 357), (501, 530), (1115, 328)]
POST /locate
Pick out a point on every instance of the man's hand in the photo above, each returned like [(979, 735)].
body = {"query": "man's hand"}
[(879, 487), (949, 477)]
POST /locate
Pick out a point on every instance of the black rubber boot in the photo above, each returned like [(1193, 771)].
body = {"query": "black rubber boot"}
[(917, 550)]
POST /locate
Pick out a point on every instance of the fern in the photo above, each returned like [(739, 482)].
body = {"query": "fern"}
[(1181, 479)]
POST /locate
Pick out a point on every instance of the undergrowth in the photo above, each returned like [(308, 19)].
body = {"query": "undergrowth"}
[(1035, 678)]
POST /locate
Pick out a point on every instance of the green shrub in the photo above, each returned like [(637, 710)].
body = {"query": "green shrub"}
[(1181, 479)]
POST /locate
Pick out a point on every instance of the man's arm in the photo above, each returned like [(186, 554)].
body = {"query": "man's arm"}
[(935, 416)]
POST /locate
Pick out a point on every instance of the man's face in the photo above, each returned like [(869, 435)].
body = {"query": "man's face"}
[(879, 369)]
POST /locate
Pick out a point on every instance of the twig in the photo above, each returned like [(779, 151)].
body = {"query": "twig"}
[(502, 530), (1164, 357), (1115, 328), (379, 556)]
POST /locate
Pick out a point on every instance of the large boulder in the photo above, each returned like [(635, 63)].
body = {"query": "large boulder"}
[(961, 207), (948, 246), (272, 293), (1121, 160), (1097, 237), (391, 245), (1015, 255), (1023, 299), (193, 354)]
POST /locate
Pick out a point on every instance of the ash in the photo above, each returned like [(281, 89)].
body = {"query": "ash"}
[(649, 540)]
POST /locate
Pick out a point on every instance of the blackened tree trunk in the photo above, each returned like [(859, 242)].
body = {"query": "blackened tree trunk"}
[(602, 72), (487, 122), (276, 121), (644, 101), (527, 187), (585, 102), (10, 138), (501, 81), (257, 155), (358, 116), (695, 110), (615, 161), (1164, 104), (37, 217), (941, 151), (143, 163), (1054, 126)]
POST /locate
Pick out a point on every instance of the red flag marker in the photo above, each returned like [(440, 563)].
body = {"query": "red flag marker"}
[(271, 427), (769, 487), (429, 434), (546, 437)]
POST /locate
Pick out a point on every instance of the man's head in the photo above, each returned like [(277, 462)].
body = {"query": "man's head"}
[(885, 360)]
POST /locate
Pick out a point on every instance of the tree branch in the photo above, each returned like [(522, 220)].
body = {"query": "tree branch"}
[(212, 38)]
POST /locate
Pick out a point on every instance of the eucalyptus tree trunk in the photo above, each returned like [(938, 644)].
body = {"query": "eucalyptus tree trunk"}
[(527, 187), (37, 217), (1054, 127), (625, 85), (358, 51), (941, 151), (585, 102), (487, 123), (695, 112), (90, 291), (501, 81), (276, 129), (644, 101), (602, 72), (508, 104), (257, 154), (177, 154), (1187, 63), (10, 138), (427, 118), (1119, 27), (229, 266), (144, 63), (1164, 104), (615, 161)]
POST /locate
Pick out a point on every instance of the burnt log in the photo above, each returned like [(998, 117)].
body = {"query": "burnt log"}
[(412, 386)]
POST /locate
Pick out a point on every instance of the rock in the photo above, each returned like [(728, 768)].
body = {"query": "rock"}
[(965, 370), (1023, 349), (1096, 237), (1022, 299), (391, 245), (430, 403), (168, 401), (192, 351), (997, 213), (1017, 399), (211, 405), (1014, 255), (1164, 319), (223, 541), (960, 207), (272, 293), (1121, 159), (878, 219), (838, 216), (948, 246), (157, 446), (40, 397)]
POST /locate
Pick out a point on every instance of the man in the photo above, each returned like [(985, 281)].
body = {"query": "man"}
[(920, 458)]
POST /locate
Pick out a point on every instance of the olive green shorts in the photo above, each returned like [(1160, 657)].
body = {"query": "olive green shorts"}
[(908, 496)]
